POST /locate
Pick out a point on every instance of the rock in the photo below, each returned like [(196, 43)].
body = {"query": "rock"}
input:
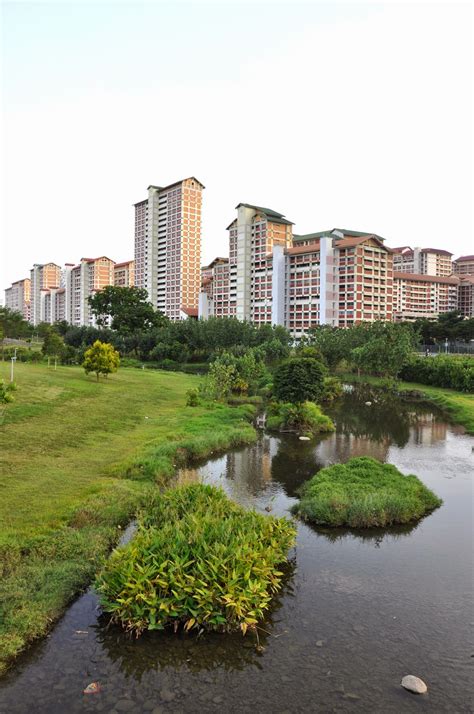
[(167, 695), (319, 643), (352, 696), (414, 684), (368, 404), (92, 688), (218, 699), (305, 438), (268, 508)]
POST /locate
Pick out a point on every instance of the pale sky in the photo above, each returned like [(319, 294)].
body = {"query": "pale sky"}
[(353, 116)]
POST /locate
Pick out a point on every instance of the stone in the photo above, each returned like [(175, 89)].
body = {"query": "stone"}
[(351, 696), (305, 438), (414, 684), (368, 404), (319, 643), (167, 695)]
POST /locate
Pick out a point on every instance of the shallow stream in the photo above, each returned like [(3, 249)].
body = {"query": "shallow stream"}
[(359, 609)]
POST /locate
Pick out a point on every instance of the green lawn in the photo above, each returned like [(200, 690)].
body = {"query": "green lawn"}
[(458, 405), (77, 458)]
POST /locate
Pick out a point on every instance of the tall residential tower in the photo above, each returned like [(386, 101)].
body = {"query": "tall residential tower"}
[(168, 246)]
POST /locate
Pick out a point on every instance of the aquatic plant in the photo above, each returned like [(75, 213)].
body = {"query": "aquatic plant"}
[(198, 560), (363, 493), (306, 418)]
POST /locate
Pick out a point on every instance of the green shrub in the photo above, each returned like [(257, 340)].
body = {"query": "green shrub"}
[(192, 398), (298, 380), (332, 389), (363, 493), (441, 371), (306, 418), (198, 560)]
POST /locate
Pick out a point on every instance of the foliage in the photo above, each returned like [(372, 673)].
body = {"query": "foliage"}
[(441, 371), (198, 560), (53, 536), (332, 389), (298, 380), (387, 349), (53, 344), (127, 307), (101, 358), (13, 325), (449, 325), (6, 389), (305, 417), (192, 398), (364, 493)]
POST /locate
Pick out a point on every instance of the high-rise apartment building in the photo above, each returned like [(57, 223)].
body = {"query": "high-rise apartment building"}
[(43, 277), (423, 261), (168, 246), (464, 265), (466, 295), (124, 274), (18, 297), (335, 277), (423, 296), (83, 281)]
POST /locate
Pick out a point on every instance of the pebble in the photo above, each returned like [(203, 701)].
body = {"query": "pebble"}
[(319, 643), (305, 438), (414, 684), (368, 404)]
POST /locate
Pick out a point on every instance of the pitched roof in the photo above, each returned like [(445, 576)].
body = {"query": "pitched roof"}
[(310, 236), (272, 216), (402, 249), (436, 250), (125, 262), (464, 258), (300, 249), (190, 311), (450, 280), (351, 242), (213, 263), (356, 234)]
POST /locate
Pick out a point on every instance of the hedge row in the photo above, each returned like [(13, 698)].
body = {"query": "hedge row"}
[(441, 371)]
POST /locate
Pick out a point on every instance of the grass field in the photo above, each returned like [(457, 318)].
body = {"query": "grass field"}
[(77, 458), (458, 405)]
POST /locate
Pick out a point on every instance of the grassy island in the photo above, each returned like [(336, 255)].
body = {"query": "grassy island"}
[(198, 560), (364, 493)]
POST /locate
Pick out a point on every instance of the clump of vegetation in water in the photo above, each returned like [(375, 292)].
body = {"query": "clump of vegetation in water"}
[(298, 380), (306, 418), (364, 493), (332, 389), (198, 560)]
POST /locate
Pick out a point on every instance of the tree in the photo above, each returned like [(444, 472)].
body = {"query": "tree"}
[(386, 350), (13, 324), (53, 344), (299, 380), (128, 307), (101, 358)]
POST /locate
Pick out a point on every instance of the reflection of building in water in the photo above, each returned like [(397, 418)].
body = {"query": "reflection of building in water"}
[(427, 430), (251, 468), (341, 447)]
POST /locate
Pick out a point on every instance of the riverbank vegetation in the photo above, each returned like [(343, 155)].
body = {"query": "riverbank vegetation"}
[(364, 493), (305, 418), (198, 561), (77, 459)]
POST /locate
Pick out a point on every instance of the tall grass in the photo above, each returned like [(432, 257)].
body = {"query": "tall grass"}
[(198, 560), (364, 493)]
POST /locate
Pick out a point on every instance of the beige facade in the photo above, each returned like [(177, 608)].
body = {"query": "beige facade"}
[(168, 246), (18, 297), (83, 281), (422, 261), (124, 274), (43, 277), (464, 265)]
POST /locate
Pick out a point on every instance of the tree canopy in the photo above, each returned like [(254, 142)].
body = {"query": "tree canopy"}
[(128, 308), (299, 380), (101, 358)]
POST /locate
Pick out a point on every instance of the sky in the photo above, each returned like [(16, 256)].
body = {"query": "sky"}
[(346, 115)]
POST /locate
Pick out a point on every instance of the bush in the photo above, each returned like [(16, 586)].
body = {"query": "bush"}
[(298, 380), (363, 493), (192, 398), (441, 371), (198, 560), (306, 418), (332, 389)]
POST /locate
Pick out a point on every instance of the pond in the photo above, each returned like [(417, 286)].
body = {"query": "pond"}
[(359, 610)]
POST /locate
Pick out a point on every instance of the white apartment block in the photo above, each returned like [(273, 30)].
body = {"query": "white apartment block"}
[(168, 246), (422, 261)]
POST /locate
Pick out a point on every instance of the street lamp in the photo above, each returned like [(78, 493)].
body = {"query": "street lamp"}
[(12, 368), (446, 345)]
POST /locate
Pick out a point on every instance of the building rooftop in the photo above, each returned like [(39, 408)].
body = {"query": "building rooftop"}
[(464, 258), (436, 250), (450, 280), (272, 216)]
